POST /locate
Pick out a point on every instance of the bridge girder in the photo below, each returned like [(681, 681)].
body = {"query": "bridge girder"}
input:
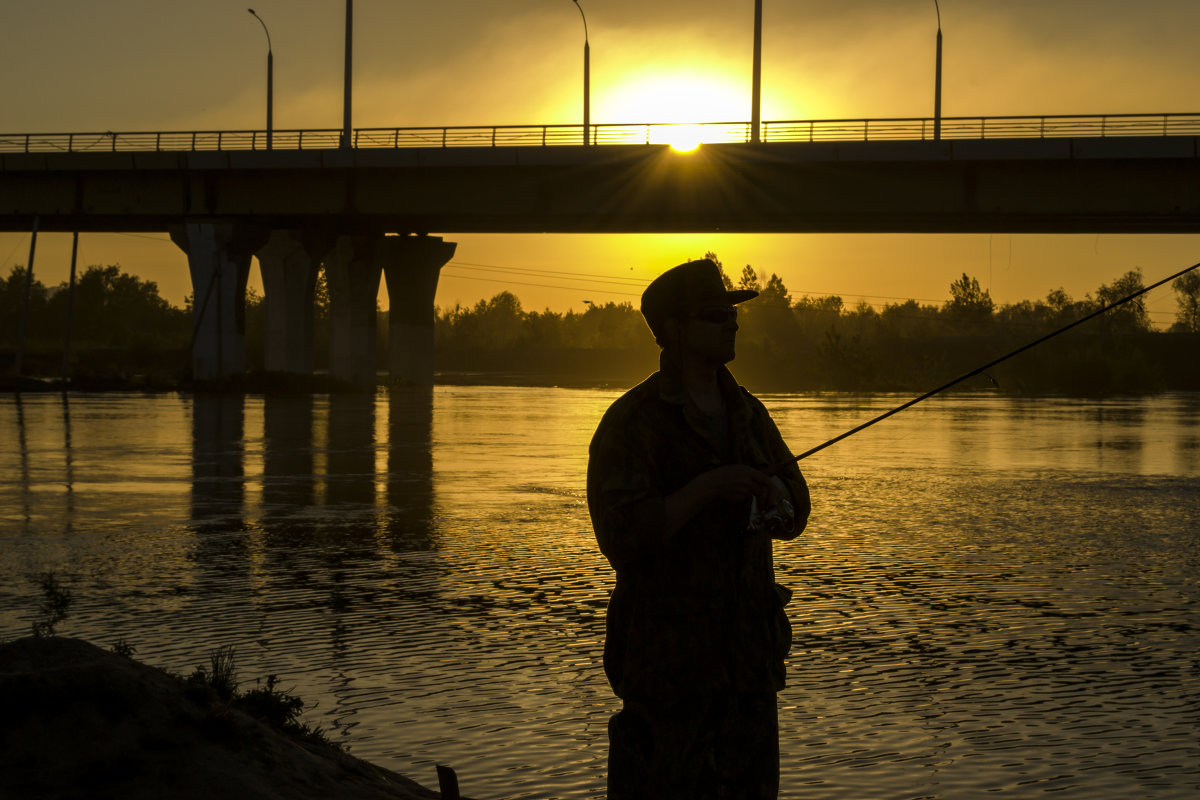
[(1131, 185)]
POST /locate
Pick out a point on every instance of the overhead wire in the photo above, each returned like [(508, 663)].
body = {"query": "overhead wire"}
[(543, 271), (628, 282), (596, 278), (541, 285), (166, 240), (21, 241)]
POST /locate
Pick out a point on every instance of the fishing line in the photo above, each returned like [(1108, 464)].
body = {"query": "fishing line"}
[(987, 366)]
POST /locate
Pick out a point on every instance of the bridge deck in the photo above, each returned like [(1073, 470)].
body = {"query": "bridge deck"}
[(1034, 184)]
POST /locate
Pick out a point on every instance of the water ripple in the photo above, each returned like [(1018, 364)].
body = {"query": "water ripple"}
[(994, 596)]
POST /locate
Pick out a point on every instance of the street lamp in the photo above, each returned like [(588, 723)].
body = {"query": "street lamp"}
[(587, 113), (756, 78), (347, 128), (270, 78), (937, 80)]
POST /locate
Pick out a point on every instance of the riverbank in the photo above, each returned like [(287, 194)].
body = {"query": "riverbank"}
[(81, 721), (282, 383), (277, 383)]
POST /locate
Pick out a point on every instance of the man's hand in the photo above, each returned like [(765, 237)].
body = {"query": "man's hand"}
[(732, 483), (738, 482), (777, 516)]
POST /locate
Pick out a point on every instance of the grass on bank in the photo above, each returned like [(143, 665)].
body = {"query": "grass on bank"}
[(214, 687)]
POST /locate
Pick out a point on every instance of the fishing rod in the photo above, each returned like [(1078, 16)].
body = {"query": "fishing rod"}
[(990, 364)]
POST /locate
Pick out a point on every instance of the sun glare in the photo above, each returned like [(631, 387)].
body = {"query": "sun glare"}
[(683, 138), (678, 103)]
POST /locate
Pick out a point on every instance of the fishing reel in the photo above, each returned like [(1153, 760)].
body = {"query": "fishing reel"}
[(779, 518)]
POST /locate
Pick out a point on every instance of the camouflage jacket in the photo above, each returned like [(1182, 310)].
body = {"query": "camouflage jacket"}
[(700, 613)]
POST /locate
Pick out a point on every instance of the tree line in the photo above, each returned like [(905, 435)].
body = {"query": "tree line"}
[(817, 343), (121, 326)]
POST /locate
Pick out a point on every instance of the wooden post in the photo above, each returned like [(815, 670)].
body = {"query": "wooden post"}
[(448, 783)]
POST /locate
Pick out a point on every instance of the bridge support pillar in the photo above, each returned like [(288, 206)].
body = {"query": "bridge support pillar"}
[(412, 276), (352, 271), (219, 260), (289, 262)]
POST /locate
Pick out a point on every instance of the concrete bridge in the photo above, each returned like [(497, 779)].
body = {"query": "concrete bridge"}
[(366, 210)]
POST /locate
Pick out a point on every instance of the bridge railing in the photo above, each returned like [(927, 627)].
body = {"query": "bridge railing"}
[(826, 130)]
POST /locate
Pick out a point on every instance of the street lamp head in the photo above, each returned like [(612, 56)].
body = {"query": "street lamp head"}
[(264, 27), (585, 30)]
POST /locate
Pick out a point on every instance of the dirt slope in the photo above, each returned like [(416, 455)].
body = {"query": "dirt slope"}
[(77, 721)]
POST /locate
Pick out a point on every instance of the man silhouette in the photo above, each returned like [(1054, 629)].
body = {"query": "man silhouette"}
[(688, 482)]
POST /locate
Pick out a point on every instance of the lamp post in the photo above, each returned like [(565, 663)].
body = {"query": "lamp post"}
[(937, 79), (347, 130), (756, 78), (587, 110), (270, 79)]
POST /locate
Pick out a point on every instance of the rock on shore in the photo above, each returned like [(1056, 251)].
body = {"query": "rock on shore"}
[(77, 721)]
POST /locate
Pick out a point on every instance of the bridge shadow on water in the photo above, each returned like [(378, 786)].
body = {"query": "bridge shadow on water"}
[(347, 472)]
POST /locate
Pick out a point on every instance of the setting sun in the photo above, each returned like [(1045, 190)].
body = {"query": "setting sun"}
[(682, 138), (683, 100)]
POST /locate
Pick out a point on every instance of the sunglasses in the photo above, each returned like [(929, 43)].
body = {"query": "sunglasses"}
[(716, 315)]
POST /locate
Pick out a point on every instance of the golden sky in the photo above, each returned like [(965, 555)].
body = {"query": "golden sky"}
[(126, 65)]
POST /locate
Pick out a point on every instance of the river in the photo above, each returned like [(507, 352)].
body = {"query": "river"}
[(994, 595)]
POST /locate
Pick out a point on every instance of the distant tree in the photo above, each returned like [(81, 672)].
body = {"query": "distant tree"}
[(115, 308), (970, 307), (724, 277), (909, 319), (119, 323), (831, 305), (501, 319), (1057, 300), (493, 324), (1059, 308), (816, 343), (1131, 316), (1023, 316), (611, 325), (1187, 290), (749, 280), (865, 310), (768, 320), (813, 317), (967, 296), (545, 328), (774, 293), (12, 300), (444, 320), (845, 360)]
